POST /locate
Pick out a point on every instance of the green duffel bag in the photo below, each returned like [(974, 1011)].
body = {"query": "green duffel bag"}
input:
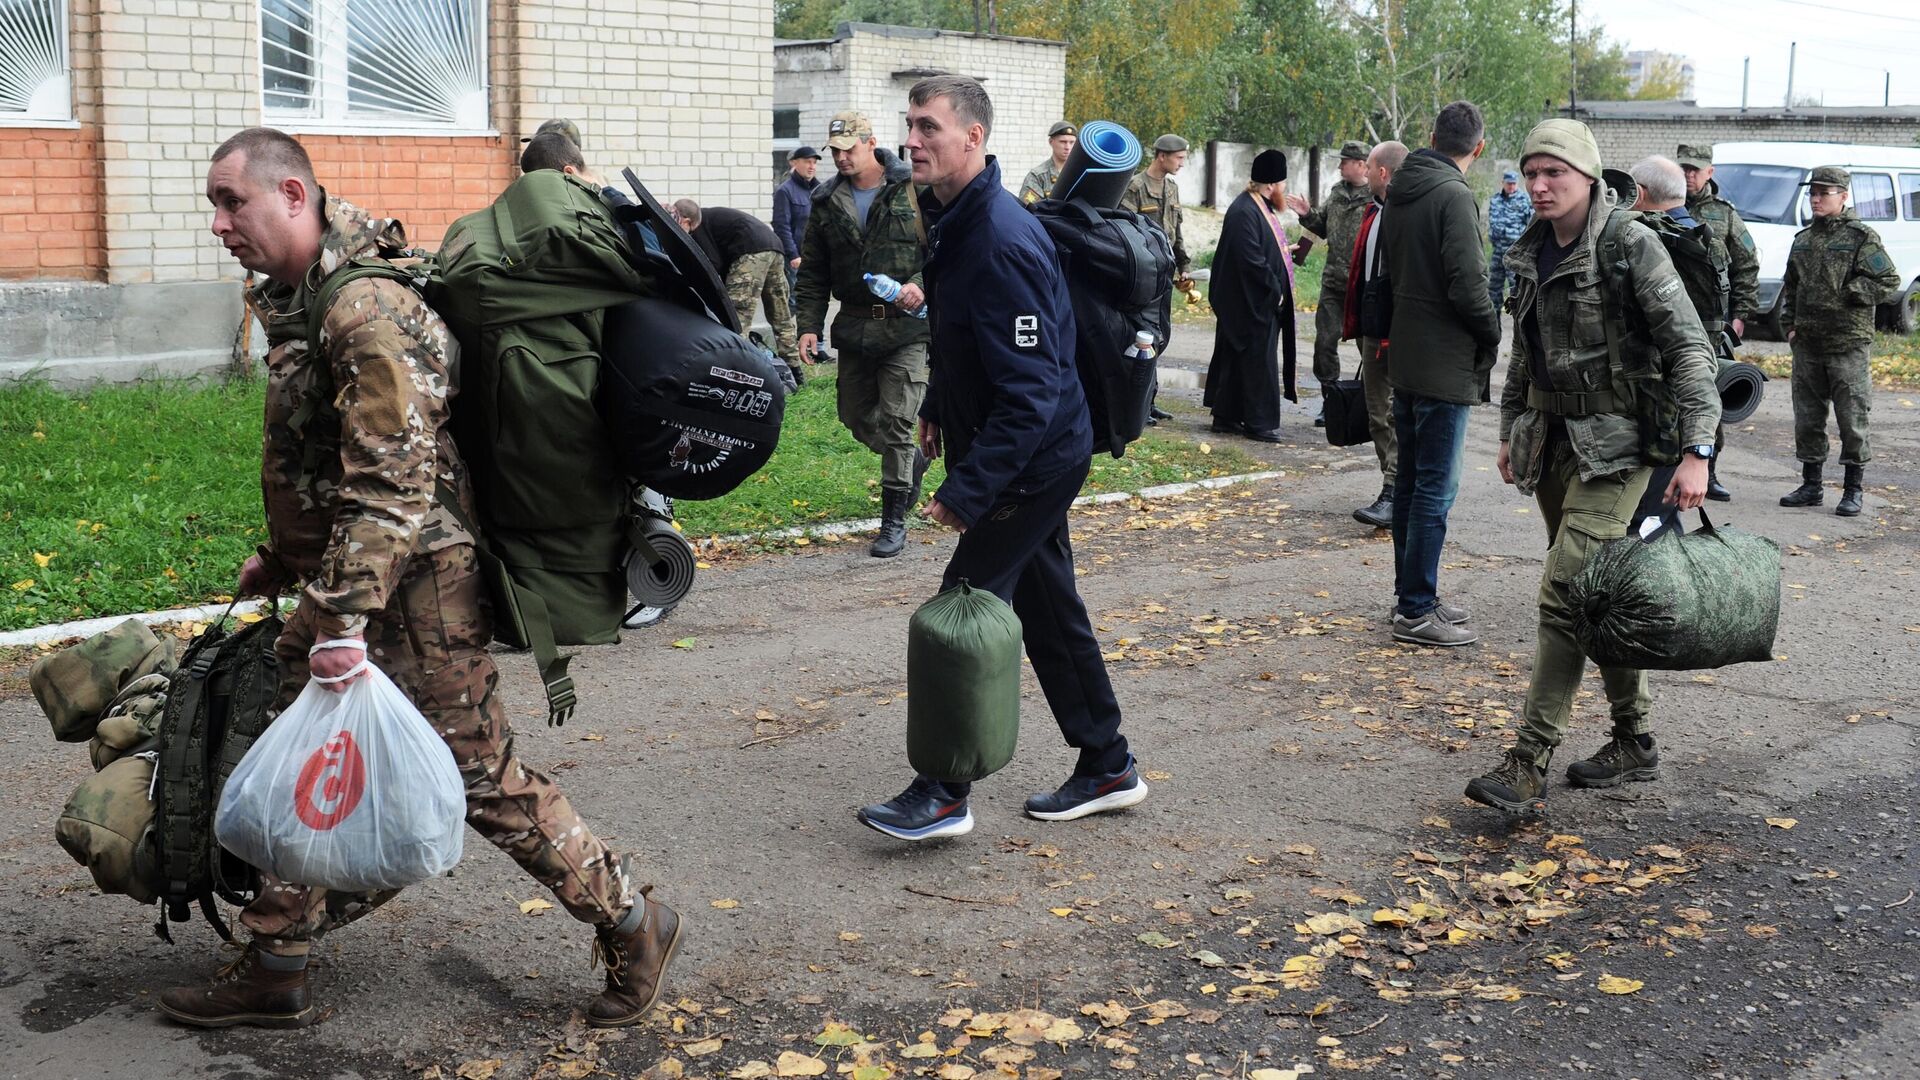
[(1680, 602), (76, 685), (963, 685)]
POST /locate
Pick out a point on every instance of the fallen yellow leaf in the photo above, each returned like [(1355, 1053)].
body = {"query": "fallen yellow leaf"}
[(726, 905), (1614, 984), (534, 907), (795, 1064), (1783, 822), (479, 1068), (702, 1048), (752, 1070)]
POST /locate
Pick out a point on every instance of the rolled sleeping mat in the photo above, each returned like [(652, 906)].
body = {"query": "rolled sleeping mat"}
[(1101, 164), (665, 578), (1741, 386)]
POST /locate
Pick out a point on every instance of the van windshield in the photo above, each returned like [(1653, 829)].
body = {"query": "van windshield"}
[(1761, 192)]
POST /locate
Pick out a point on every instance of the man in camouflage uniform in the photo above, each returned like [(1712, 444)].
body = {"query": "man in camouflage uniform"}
[(1509, 211), (357, 459), (1743, 266), (1837, 274), (753, 264), (1153, 194), (1062, 137), (1337, 221), (1570, 436), (866, 220)]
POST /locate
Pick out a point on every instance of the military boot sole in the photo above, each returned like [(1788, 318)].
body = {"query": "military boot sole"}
[(1628, 776), (659, 987), (1486, 796), (303, 1018)]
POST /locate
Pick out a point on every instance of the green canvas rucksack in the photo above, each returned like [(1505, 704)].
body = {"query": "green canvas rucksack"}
[(523, 286), (1701, 263)]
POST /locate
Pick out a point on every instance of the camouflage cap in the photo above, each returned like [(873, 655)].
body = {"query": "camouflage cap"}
[(848, 128), (564, 127), (1062, 128), (1169, 144), (1831, 176), (1693, 157), (1353, 150)]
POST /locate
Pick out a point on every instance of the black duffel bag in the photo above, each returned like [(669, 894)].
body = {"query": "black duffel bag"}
[(693, 408), (1679, 602), (1345, 401)]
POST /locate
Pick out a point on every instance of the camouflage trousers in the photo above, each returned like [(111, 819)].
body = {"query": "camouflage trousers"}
[(1328, 322), (1839, 376), (879, 395), (431, 641), (1581, 517), (1386, 437), (762, 276)]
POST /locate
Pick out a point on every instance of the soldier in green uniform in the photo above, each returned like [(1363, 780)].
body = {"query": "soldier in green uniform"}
[(1154, 195), (866, 220), (355, 454), (1707, 207), (1062, 137), (1337, 221), (1837, 274), (1570, 435)]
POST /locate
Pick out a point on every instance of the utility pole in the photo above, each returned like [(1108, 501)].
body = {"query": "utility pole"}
[(1886, 95), (1746, 69), (1793, 51), (1573, 57)]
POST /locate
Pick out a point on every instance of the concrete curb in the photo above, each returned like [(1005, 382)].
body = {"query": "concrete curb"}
[(40, 635)]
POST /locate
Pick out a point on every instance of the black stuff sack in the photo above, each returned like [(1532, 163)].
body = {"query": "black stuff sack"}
[(1346, 403), (1679, 603), (694, 408), (963, 685)]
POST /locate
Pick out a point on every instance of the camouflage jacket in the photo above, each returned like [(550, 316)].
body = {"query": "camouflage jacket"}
[(1162, 207), (1837, 273), (356, 441), (1570, 307), (1743, 259), (837, 251), (1507, 217), (1039, 182), (1338, 222)]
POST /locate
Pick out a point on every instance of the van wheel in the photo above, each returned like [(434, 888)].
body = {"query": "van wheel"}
[(1906, 310)]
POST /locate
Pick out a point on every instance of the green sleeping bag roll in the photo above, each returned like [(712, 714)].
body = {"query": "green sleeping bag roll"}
[(963, 685)]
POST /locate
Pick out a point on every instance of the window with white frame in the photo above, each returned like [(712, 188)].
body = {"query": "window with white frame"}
[(374, 63), (35, 79)]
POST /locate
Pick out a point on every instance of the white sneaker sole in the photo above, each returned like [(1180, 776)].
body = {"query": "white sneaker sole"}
[(959, 826), (1119, 800)]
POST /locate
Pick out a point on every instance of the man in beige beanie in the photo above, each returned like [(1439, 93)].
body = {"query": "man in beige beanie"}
[(1570, 433)]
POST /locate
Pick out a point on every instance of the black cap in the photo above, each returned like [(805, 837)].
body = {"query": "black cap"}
[(804, 152), (1269, 167)]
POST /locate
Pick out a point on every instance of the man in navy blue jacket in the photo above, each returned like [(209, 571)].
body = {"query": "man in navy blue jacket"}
[(1004, 402)]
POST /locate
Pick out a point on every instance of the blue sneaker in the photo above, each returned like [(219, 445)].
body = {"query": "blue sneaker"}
[(1083, 795), (925, 811)]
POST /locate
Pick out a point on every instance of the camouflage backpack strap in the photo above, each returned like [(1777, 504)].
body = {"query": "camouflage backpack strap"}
[(1654, 406), (355, 270), (183, 806)]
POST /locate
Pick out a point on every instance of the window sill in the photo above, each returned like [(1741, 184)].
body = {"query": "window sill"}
[(318, 127), (57, 125)]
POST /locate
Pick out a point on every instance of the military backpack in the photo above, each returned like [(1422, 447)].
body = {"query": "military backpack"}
[(524, 287), (1702, 266)]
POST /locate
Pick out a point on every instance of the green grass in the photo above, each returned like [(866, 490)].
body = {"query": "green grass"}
[(1306, 286), (1895, 361), (137, 498)]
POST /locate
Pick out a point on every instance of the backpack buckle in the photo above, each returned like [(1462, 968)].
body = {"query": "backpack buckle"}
[(560, 701), (202, 666)]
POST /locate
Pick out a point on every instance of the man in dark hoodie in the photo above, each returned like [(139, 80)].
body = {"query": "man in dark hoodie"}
[(1007, 408), (865, 221), (792, 202), (1445, 335)]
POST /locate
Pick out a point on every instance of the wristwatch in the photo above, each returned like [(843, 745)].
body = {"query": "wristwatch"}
[(1704, 451)]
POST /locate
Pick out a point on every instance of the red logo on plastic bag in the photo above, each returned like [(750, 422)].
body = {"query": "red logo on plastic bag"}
[(330, 784)]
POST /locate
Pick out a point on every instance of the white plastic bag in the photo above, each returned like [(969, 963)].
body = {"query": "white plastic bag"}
[(351, 791)]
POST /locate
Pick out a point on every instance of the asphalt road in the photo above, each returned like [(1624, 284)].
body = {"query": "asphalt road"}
[(1306, 885)]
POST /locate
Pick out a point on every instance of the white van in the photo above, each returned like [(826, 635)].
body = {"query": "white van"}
[(1766, 181)]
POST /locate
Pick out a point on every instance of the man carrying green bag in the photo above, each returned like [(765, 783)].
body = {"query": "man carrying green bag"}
[(1006, 405)]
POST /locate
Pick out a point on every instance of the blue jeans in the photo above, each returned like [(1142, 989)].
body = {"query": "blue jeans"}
[(1433, 435)]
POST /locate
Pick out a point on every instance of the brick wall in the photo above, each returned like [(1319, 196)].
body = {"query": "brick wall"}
[(50, 204), (681, 93), (1026, 79), (424, 181), (1625, 141)]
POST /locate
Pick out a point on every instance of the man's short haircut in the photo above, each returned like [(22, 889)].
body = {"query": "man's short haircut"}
[(688, 209), (272, 156), (966, 95), (551, 151), (1388, 155), (1458, 129), (1661, 179)]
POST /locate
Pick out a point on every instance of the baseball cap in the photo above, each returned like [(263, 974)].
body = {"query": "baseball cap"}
[(564, 127), (803, 152), (848, 128), (1510, 177)]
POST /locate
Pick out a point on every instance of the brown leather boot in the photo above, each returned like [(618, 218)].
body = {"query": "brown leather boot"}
[(244, 992), (636, 962)]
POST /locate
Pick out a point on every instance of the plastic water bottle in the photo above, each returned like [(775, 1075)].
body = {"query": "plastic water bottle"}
[(1141, 373), (889, 290)]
